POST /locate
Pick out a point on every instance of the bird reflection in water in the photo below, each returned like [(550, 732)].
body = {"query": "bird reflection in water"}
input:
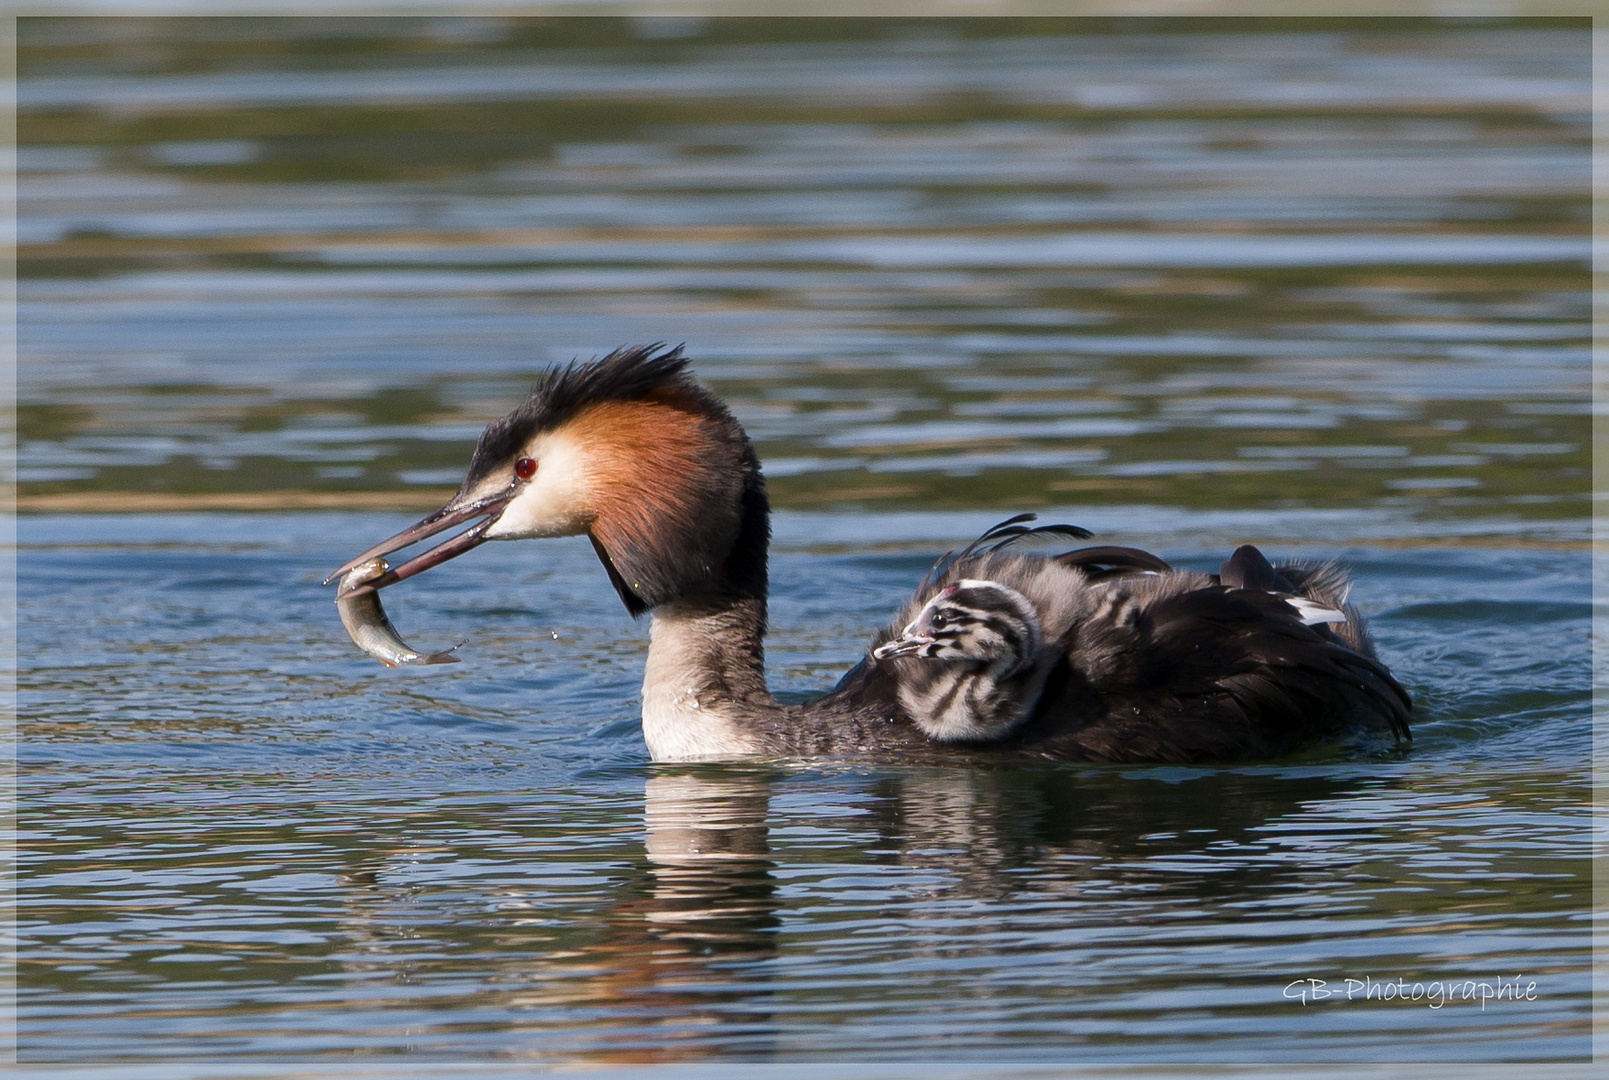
[(670, 967), (709, 857), (689, 942), (679, 959)]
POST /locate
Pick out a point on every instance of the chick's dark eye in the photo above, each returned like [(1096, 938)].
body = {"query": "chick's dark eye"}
[(525, 468), (939, 622)]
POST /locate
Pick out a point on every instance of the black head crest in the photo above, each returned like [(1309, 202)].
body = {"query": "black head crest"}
[(1006, 533), (561, 393)]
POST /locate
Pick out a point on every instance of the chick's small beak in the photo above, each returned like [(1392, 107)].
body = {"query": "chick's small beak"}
[(901, 646), (489, 509)]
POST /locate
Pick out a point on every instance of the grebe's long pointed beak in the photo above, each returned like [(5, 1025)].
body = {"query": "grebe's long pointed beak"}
[(489, 509)]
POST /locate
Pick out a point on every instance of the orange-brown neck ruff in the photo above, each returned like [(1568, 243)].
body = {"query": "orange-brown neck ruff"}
[(666, 481)]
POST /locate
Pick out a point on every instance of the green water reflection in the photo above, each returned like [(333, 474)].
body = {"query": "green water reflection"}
[(264, 257)]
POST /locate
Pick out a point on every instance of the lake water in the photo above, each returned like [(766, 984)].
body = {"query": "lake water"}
[(1319, 286)]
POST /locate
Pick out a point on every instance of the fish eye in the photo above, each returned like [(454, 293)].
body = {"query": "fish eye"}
[(525, 468)]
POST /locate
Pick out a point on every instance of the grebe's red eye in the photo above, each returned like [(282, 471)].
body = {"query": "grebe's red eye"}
[(525, 468)]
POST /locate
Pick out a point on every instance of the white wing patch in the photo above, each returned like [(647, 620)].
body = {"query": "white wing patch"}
[(1312, 614)]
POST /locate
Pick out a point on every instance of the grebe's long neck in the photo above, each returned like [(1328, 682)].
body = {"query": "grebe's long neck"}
[(704, 692), (705, 681)]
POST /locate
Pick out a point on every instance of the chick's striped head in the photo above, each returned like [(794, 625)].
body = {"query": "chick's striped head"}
[(971, 620)]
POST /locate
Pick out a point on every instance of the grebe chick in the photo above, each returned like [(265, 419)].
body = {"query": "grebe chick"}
[(971, 664), (1144, 662)]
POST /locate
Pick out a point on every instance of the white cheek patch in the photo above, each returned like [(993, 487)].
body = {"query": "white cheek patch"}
[(554, 502)]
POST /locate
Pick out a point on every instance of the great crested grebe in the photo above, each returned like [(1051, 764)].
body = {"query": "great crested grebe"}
[(1098, 654)]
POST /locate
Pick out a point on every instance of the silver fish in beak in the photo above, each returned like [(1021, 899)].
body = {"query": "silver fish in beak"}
[(365, 620)]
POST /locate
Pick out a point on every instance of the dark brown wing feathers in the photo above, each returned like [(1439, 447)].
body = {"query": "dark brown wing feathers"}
[(1211, 674), (1102, 562)]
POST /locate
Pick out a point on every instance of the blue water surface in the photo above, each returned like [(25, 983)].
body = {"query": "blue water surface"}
[(245, 838), (1323, 286)]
